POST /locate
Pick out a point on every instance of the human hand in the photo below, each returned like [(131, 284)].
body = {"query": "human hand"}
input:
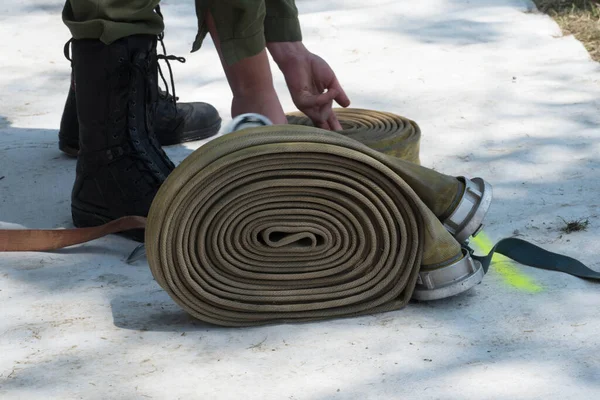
[(311, 82)]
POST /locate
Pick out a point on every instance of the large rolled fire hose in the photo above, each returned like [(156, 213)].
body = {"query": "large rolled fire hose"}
[(289, 223), (292, 223)]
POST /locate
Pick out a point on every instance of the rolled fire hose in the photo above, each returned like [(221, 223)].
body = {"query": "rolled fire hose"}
[(293, 223)]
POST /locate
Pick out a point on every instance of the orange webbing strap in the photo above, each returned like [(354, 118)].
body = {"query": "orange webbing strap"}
[(52, 239)]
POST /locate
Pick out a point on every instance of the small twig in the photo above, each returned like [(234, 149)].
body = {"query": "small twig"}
[(257, 345)]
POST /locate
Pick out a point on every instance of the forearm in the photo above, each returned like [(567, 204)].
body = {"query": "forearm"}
[(251, 82), (286, 52), (248, 75)]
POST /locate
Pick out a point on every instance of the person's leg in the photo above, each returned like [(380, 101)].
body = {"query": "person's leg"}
[(114, 19), (121, 164), (110, 20)]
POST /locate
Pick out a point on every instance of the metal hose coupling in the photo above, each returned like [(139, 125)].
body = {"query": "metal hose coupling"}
[(465, 221), (449, 280), (467, 218), (245, 121)]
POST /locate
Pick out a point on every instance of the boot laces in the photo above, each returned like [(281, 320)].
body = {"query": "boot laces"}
[(167, 57), (142, 160)]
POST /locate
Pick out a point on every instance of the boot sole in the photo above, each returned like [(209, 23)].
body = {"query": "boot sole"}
[(67, 149), (86, 219), (199, 134), (191, 136)]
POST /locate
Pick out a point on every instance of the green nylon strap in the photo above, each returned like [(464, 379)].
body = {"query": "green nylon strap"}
[(531, 255)]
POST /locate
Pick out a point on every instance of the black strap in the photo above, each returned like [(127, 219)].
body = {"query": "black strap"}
[(529, 254)]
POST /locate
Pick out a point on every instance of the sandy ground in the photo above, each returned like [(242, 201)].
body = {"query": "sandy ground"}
[(498, 93)]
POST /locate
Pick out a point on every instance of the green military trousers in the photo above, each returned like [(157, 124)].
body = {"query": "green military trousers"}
[(243, 26), (110, 20)]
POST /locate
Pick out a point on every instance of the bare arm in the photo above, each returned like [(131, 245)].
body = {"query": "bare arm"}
[(251, 83)]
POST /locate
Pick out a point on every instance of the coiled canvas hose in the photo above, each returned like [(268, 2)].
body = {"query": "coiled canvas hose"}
[(294, 223)]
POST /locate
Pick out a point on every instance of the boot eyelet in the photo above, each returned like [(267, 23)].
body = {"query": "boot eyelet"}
[(136, 141), (115, 136), (133, 102), (121, 59)]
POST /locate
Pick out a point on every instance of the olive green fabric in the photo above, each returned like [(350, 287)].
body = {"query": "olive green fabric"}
[(245, 26), (281, 21), (110, 20), (294, 223)]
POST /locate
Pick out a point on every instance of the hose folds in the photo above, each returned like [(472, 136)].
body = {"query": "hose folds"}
[(293, 223)]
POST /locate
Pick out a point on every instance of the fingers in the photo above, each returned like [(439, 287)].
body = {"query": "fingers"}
[(333, 122), (318, 109), (325, 119), (326, 98), (323, 125), (341, 98), (334, 92), (324, 102)]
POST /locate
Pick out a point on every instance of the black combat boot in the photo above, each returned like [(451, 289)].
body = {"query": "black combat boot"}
[(121, 164), (175, 122)]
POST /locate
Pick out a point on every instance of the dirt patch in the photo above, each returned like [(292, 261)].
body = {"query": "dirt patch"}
[(580, 18), (575, 225)]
